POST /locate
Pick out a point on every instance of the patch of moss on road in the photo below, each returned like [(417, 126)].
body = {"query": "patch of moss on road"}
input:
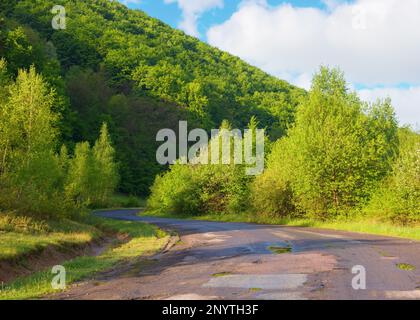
[(280, 250), (406, 266), (221, 274)]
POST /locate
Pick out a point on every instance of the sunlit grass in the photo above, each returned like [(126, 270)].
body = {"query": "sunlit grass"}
[(14, 245), (144, 238), (20, 235)]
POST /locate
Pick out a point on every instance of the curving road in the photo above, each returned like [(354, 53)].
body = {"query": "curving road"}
[(215, 260)]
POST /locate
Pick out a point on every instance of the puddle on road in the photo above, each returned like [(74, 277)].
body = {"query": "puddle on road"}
[(267, 282)]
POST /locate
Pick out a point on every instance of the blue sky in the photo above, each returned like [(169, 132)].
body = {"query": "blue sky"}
[(375, 42), (171, 14)]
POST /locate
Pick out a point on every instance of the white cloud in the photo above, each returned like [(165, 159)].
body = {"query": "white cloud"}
[(192, 10), (406, 101), (372, 41), (332, 4), (127, 2)]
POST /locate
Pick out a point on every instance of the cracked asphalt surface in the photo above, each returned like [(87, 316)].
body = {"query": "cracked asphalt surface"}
[(218, 260)]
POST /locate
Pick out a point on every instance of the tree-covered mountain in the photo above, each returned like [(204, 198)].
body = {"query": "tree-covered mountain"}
[(137, 74)]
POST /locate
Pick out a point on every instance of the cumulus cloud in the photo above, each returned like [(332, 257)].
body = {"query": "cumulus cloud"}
[(373, 41), (406, 100), (192, 10)]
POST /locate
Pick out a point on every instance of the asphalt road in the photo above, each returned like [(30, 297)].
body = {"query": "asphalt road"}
[(215, 260)]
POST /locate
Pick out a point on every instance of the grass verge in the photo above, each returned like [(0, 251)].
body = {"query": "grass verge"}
[(144, 238), (21, 235), (361, 225)]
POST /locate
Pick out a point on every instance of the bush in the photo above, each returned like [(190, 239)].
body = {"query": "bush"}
[(333, 157), (272, 193), (196, 189), (397, 198), (176, 192), (200, 189)]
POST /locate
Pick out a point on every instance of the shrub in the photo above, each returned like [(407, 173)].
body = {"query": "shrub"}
[(397, 197), (195, 189), (334, 155), (176, 192), (272, 193)]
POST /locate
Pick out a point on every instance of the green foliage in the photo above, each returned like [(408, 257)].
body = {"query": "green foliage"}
[(272, 192), (120, 66), (196, 189), (200, 189), (29, 169), (18, 50), (333, 157), (92, 173), (176, 191), (104, 169), (79, 181), (397, 198), (33, 177)]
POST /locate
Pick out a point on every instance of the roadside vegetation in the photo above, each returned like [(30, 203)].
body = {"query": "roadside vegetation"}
[(344, 164), (137, 239), (37, 176), (22, 236), (48, 190)]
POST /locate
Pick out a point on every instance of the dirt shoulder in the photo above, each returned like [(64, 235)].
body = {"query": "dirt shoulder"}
[(125, 243)]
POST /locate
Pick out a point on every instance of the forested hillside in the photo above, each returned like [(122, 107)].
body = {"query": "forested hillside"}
[(138, 75)]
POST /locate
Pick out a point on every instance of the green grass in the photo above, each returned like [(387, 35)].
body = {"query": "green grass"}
[(362, 225), (144, 238), (20, 235)]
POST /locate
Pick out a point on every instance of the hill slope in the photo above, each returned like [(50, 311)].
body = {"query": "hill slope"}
[(138, 74)]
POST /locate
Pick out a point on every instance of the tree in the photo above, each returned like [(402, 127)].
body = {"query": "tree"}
[(29, 168), (18, 50), (4, 128), (105, 172), (338, 149), (78, 183)]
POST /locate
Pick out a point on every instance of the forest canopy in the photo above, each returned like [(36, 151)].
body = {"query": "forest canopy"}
[(120, 66)]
